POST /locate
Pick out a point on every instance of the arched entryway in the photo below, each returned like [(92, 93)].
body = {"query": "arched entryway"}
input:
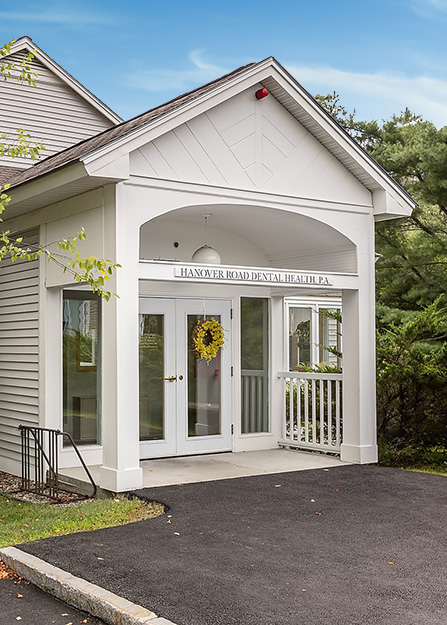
[(268, 255)]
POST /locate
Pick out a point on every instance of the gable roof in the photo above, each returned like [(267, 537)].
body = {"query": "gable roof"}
[(286, 90), (26, 44), (119, 131)]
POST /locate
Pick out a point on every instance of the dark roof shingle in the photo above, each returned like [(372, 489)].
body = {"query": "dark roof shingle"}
[(8, 174)]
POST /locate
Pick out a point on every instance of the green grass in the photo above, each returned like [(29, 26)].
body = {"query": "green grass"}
[(22, 521), (434, 469), (425, 460)]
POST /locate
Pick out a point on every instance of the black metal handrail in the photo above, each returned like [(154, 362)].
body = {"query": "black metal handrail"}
[(45, 482)]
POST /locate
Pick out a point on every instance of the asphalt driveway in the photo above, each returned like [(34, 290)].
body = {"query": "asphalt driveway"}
[(25, 603), (352, 545)]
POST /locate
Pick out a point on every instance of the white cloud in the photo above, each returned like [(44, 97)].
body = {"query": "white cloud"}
[(157, 80), (440, 5), (374, 96), (429, 8), (80, 18), (381, 94)]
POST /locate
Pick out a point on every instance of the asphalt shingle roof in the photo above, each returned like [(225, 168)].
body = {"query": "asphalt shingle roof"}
[(7, 173)]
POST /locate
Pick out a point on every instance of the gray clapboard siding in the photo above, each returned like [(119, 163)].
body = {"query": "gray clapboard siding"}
[(19, 338), (52, 112), (17, 382)]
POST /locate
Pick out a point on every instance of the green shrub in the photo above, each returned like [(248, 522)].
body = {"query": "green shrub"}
[(411, 386)]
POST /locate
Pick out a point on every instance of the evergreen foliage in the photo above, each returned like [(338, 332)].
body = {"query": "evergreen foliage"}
[(412, 382), (411, 279)]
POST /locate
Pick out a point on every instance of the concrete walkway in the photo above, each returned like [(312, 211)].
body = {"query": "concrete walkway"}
[(210, 467), (354, 545)]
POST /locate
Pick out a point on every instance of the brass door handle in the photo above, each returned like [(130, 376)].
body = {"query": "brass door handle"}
[(171, 378)]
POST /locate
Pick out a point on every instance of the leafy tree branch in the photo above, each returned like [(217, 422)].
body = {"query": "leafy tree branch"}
[(90, 269)]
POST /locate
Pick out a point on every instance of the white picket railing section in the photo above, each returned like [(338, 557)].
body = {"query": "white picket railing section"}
[(313, 410)]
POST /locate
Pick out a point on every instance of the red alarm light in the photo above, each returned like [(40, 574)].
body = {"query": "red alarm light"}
[(262, 93)]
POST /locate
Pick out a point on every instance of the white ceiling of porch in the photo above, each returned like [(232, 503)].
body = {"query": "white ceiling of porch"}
[(288, 240)]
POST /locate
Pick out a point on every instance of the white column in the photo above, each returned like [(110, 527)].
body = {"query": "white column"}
[(120, 404), (359, 367), (278, 363)]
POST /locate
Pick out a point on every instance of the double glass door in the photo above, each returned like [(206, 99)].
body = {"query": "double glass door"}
[(185, 402)]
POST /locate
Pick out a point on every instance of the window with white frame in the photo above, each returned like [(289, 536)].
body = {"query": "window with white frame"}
[(314, 333), (254, 365), (81, 366)]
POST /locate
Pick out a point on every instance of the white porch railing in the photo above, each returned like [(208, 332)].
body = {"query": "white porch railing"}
[(313, 410), (254, 401)]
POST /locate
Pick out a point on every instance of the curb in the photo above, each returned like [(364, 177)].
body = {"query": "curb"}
[(77, 592)]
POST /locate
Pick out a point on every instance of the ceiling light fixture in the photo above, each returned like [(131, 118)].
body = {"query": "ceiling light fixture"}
[(206, 254)]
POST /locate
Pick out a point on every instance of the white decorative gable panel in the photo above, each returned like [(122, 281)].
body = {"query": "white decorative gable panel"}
[(246, 143)]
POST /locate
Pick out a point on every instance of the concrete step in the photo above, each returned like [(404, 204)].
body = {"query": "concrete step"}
[(81, 487)]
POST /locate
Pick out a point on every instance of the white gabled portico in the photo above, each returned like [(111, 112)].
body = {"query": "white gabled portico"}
[(290, 202)]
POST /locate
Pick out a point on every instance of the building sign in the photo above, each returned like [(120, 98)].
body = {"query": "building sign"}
[(254, 276)]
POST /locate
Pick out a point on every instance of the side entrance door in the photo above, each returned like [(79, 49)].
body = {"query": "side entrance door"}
[(185, 403)]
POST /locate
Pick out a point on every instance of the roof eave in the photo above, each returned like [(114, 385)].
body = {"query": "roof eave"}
[(55, 186), (56, 178)]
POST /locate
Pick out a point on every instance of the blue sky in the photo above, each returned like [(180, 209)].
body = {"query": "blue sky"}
[(380, 56)]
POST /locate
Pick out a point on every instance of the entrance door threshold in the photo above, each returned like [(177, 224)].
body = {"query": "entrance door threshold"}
[(223, 466)]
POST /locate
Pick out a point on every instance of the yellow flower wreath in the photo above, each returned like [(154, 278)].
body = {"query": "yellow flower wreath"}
[(208, 338)]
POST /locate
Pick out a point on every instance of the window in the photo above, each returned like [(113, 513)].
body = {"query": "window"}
[(329, 339), (254, 364), (314, 334), (81, 366), (300, 339)]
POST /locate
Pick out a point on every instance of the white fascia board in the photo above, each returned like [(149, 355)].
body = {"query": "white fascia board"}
[(389, 206), (43, 184), (24, 43), (116, 168)]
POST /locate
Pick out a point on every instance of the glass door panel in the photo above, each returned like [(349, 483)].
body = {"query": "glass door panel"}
[(204, 393), (157, 364), (151, 350), (185, 402), (204, 384)]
